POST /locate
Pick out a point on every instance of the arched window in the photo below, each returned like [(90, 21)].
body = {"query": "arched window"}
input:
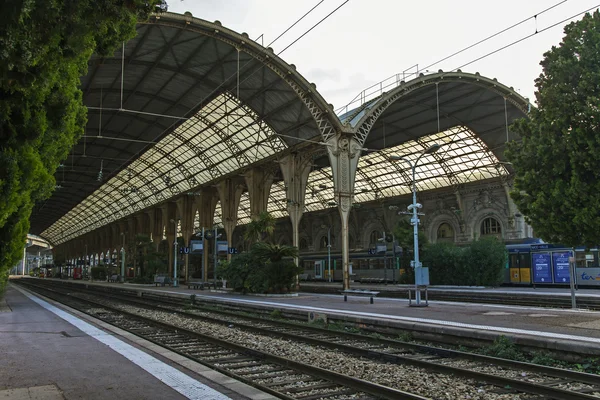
[(375, 236), (490, 226), (323, 242), (445, 233), (303, 244)]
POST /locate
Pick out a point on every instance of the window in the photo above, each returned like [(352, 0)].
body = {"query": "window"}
[(490, 226), (445, 233), (323, 242)]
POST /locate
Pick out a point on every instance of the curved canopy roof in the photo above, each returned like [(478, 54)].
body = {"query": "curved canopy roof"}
[(176, 66), (181, 121)]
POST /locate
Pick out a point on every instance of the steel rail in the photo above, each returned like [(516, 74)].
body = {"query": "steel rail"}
[(354, 383)]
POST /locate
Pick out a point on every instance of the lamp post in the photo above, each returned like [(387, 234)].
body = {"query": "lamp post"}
[(328, 251), (122, 258), (88, 269), (415, 219), (175, 254)]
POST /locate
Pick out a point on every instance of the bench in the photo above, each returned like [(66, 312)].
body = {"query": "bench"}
[(114, 278), (201, 285), (358, 292), (161, 280), (304, 277)]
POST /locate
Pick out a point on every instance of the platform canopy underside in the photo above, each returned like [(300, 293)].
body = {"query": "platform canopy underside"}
[(206, 99)]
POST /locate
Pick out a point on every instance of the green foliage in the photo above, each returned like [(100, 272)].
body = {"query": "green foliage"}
[(503, 347), (260, 228), (404, 235), (590, 365), (446, 264), (143, 280), (146, 257), (276, 314), (266, 267), (479, 263), (484, 261), (239, 270), (558, 159), (3, 282), (44, 50), (99, 273)]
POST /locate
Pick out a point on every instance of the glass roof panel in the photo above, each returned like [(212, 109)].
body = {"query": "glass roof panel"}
[(222, 137), (462, 158)]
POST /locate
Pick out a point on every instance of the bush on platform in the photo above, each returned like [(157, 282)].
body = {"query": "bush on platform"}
[(99, 273), (478, 264), (484, 262), (266, 267), (446, 264)]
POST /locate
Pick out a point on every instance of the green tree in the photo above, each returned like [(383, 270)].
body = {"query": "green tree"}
[(404, 235), (266, 267), (44, 49), (260, 228), (557, 162)]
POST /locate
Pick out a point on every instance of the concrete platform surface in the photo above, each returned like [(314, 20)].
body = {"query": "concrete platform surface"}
[(48, 354), (577, 325)]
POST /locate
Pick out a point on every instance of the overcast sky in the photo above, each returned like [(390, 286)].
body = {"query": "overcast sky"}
[(367, 41)]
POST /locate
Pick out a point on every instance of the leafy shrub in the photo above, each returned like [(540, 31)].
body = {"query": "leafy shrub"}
[(99, 273), (484, 261), (3, 282), (479, 263), (503, 347), (266, 268), (142, 280), (446, 264)]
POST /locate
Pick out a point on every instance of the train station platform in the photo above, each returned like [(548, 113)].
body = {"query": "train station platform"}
[(557, 330), (50, 354)]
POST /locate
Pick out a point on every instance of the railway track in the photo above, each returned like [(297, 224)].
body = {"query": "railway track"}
[(508, 376), (284, 378)]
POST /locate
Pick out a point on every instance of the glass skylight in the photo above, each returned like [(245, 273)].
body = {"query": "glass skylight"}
[(224, 136)]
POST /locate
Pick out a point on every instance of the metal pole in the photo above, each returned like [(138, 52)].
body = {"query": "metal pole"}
[(175, 256), (215, 261), (572, 277), (202, 276), (394, 260), (329, 252), (88, 269), (24, 259), (416, 235), (385, 263), (123, 260)]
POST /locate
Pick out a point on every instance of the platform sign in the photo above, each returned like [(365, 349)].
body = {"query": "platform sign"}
[(184, 250), (560, 266), (222, 246), (196, 246), (541, 267)]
